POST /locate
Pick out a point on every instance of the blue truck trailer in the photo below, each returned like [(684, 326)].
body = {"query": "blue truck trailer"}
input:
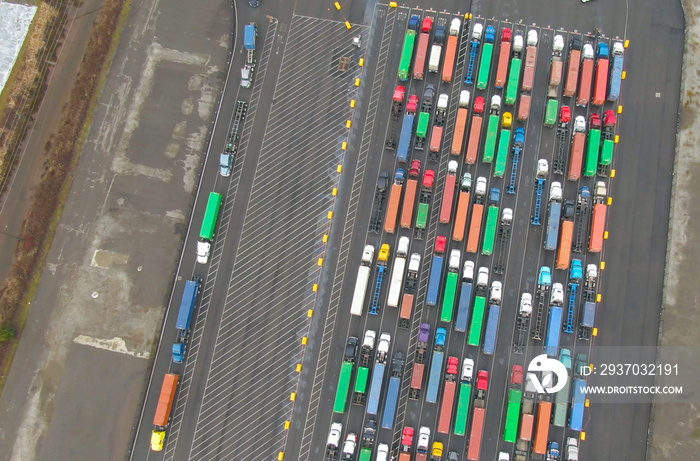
[(431, 392), (435, 280), (184, 318), (375, 389), (618, 60), (392, 393), (405, 137), (465, 299), (491, 329), (553, 331), (577, 407)]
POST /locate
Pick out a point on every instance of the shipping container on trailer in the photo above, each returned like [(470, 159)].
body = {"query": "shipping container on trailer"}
[(544, 414)]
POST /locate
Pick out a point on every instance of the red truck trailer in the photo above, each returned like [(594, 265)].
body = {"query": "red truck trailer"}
[(448, 396), (422, 51), (477, 429), (578, 142), (574, 65), (449, 192), (475, 130)]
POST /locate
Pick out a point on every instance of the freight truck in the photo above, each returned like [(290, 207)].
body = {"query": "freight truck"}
[(556, 67), (492, 325), (584, 89), (419, 362), (554, 215), (516, 65), (601, 74), (362, 378), (474, 45), (482, 280), (409, 197), (436, 49), (465, 394), (438, 128), (465, 188), (392, 392), (161, 419), (396, 109), (434, 282), (431, 392), (486, 56), (562, 138), (451, 52), (461, 123), (375, 388), (448, 396), (475, 130), (595, 242), (407, 128), (578, 142), (346, 369), (589, 303), (518, 145), (477, 215), (207, 231), (530, 61), (540, 179), (522, 447), (617, 73), (184, 318), (409, 291), (465, 297), (492, 129), (591, 166), (363, 273), (567, 234), (515, 396), (407, 50), (573, 68), (448, 297), (503, 56), (606, 153), (551, 347), (544, 283), (522, 323), (448, 192), (561, 399), (392, 210), (491, 221), (575, 277), (392, 299), (499, 167), (424, 117), (503, 235), (477, 430), (422, 50), (426, 194), (578, 404)]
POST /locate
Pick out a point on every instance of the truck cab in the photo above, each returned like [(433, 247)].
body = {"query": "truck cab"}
[(382, 452), (479, 105), (555, 191), (368, 254), (456, 24), (351, 349), (440, 244), (553, 451), (225, 164), (571, 449), (468, 271), (467, 370), (348, 453), (334, 436), (482, 278), (437, 450), (429, 95), (565, 114), (557, 297), (482, 380), (454, 260), (384, 253), (516, 377), (464, 97), (247, 75), (545, 276), (414, 263), (580, 124), (157, 440), (203, 249), (495, 196), (384, 340), (477, 31), (525, 304), (495, 296), (368, 340), (565, 358), (532, 37), (507, 216), (423, 438), (466, 182), (480, 189)]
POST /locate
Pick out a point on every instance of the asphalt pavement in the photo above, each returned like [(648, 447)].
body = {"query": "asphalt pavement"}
[(247, 345)]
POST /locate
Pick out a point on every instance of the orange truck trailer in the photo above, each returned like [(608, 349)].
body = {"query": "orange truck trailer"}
[(409, 197), (475, 130), (503, 58), (392, 210), (448, 395), (564, 254), (461, 124), (165, 401), (449, 192), (544, 415), (477, 215), (574, 65), (465, 188), (601, 74), (452, 41), (600, 209)]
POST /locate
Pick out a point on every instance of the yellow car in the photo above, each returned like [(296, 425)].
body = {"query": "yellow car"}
[(157, 439), (437, 449)]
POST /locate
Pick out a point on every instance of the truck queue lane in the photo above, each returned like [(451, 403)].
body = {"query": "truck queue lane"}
[(268, 292)]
